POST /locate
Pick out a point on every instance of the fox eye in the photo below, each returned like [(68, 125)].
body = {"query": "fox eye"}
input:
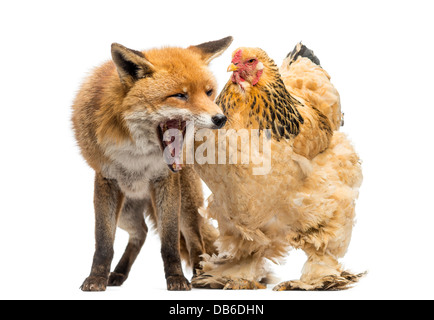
[(210, 92), (181, 96)]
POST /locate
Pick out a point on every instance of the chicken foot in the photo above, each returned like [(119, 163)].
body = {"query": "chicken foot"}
[(321, 272), (223, 272)]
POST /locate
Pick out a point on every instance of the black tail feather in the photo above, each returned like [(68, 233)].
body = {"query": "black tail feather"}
[(301, 50)]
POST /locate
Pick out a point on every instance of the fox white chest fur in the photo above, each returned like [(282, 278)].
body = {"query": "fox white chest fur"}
[(136, 163)]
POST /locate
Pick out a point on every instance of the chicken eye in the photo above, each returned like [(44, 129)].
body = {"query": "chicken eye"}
[(181, 96), (251, 61)]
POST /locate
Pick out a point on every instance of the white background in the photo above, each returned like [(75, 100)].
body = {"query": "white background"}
[(380, 56)]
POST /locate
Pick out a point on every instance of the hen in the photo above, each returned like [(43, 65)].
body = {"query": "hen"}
[(305, 199)]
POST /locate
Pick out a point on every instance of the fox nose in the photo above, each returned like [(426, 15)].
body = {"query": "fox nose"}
[(219, 120)]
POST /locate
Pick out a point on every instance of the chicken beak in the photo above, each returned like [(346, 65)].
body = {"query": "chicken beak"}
[(232, 68)]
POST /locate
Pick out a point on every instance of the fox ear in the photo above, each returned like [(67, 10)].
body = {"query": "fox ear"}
[(131, 64), (213, 49)]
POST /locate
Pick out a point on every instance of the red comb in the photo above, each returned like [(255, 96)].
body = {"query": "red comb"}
[(237, 56)]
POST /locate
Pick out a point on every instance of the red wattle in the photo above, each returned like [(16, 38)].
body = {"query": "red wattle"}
[(258, 76)]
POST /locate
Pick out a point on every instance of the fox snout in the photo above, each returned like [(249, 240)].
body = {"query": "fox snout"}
[(219, 120), (209, 121)]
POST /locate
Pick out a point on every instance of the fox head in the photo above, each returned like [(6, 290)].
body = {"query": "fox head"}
[(161, 89)]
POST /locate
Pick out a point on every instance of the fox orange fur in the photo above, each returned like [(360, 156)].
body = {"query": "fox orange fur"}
[(120, 117)]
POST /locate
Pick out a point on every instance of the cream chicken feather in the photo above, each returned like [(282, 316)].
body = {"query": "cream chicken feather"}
[(306, 198)]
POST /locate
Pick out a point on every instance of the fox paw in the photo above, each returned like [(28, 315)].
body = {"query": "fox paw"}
[(178, 283), (93, 283), (116, 279), (331, 283)]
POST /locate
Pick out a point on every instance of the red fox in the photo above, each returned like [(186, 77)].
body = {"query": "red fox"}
[(120, 116)]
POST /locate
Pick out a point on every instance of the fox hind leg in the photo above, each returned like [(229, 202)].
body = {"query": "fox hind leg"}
[(131, 220)]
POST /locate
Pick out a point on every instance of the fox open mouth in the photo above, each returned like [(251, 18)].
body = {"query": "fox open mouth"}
[(171, 135)]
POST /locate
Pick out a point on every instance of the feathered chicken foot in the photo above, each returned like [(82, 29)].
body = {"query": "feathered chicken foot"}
[(203, 282), (327, 283), (241, 284), (321, 272), (222, 272)]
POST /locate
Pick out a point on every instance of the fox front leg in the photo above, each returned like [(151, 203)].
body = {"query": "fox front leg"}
[(167, 199), (108, 203)]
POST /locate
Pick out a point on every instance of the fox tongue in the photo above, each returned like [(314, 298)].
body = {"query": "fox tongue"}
[(175, 148), (177, 164), (173, 140)]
